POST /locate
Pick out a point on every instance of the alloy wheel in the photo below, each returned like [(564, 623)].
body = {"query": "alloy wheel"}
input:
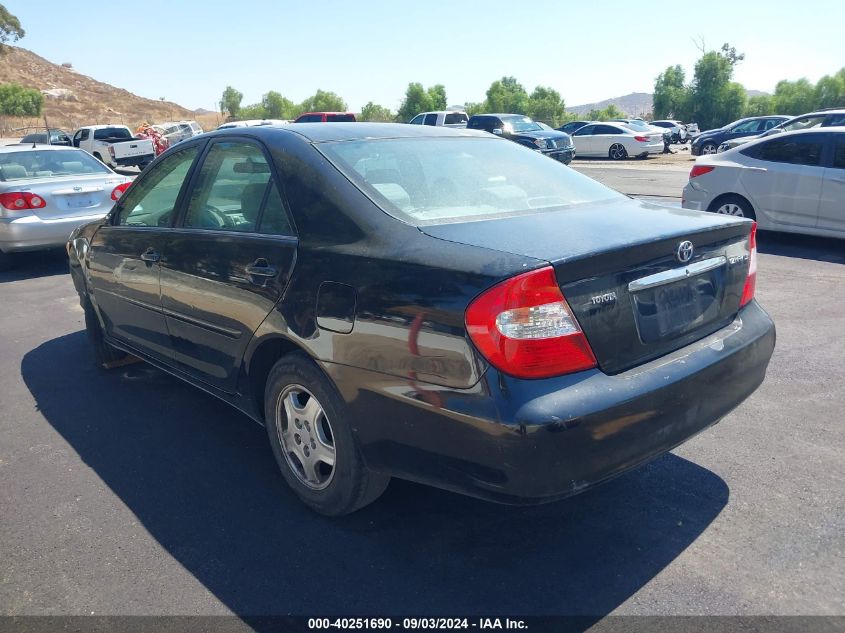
[(306, 436), (730, 208), (617, 151), (708, 148)]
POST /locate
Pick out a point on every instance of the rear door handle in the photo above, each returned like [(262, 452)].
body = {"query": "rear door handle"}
[(261, 268), (150, 255)]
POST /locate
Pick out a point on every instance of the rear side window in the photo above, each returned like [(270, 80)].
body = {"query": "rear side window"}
[(274, 219), (607, 129), (340, 118), (455, 118), (839, 154), (795, 151), (310, 118), (150, 202), (231, 188), (834, 119), (112, 133)]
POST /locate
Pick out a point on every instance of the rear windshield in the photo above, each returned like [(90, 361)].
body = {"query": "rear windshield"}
[(426, 181), (112, 132), (36, 163), (454, 118)]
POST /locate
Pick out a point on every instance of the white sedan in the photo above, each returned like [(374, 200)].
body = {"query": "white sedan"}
[(793, 182), (616, 141), (46, 191)]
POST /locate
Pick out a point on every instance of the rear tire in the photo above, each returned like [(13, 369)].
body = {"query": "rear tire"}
[(617, 151), (734, 205), (104, 354), (320, 432)]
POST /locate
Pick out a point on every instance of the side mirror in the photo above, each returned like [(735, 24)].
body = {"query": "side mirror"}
[(497, 131)]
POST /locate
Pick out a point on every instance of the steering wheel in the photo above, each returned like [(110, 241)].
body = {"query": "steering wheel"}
[(212, 218)]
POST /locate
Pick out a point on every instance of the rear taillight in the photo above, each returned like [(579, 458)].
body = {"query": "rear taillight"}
[(22, 201), (118, 191), (751, 279), (524, 327), (111, 150), (700, 170), (642, 139)]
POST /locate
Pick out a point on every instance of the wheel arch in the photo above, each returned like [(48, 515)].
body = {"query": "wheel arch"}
[(722, 197), (261, 360)]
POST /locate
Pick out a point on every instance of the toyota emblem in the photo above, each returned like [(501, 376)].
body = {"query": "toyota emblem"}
[(684, 252)]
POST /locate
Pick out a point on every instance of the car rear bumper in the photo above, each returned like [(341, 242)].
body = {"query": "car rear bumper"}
[(530, 441), (31, 233)]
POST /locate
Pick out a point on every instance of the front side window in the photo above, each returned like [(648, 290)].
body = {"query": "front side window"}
[(796, 151), (587, 130), (430, 119), (231, 188), (151, 201), (417, 120), (85, 135), (747, 126), (445, 179)]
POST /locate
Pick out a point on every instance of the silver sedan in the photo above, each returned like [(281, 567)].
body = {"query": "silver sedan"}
[(46, 191)]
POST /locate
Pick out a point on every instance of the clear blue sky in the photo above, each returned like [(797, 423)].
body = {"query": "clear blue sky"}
[(189, 51)]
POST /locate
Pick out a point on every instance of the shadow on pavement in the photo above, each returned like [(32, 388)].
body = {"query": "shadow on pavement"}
[(36, 264), (202, 480), (822, 249)]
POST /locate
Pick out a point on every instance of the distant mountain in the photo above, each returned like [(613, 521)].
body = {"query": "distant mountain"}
[(634, 104), (72, 99)]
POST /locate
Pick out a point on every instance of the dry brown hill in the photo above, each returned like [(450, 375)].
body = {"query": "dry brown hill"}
[(72, 99)]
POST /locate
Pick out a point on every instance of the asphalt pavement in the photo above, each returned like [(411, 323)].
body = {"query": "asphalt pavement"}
[(128, 492)]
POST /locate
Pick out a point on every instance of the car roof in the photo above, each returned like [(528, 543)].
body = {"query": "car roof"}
[(17, 147), (840, 129), (322, 132)]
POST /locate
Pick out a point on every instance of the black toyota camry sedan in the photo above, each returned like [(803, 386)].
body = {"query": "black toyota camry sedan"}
[(425, 303)]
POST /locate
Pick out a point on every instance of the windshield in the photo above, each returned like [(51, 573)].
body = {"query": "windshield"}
[(521, 124), (426, 181), (113, 132), (803, 123), (48, 164)]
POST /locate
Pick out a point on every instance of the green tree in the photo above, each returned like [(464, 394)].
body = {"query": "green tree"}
[(418, 99), (231, 101), (830, 91), (10, 28), (374, 112), (16, 100), (545, 104), (760, 105), (716, 100), (323, 101), (253, 111), (437, 97), (794, 97), (670, 94), (506, 95), (606, 114), (277, 107), (473, 107)]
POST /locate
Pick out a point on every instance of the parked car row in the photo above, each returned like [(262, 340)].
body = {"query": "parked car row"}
[(822, 118), (793, 181)]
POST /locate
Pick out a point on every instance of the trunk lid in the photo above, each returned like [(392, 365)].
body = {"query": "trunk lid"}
[(75, 196), (618, 268)]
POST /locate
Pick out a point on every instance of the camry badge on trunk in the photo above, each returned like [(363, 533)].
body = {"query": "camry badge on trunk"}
[(684, 252)]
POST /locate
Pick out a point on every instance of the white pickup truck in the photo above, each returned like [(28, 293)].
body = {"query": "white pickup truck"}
[(114, 145)]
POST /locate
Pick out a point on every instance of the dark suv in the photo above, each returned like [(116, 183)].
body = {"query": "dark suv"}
[(708, 142), (57, 137), (525, 131)]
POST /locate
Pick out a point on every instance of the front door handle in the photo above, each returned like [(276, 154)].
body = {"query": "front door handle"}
[(261, 268), (150, 255)]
